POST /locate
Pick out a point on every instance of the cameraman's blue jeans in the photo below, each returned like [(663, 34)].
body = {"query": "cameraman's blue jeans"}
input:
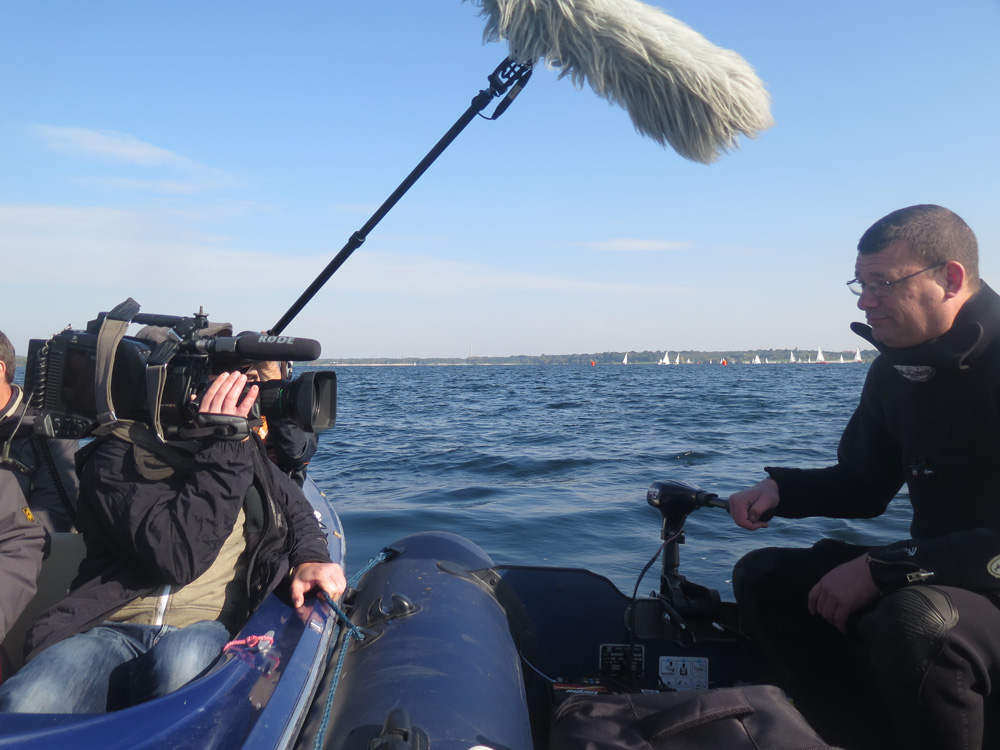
[(113, 666)]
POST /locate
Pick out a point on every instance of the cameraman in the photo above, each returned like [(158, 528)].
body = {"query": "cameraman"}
[(37, 492), (181, 546)]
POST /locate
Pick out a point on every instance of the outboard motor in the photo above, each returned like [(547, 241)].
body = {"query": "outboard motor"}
[(682, 611)]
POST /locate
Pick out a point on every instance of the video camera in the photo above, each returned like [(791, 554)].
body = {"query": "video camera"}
[(81, 380)]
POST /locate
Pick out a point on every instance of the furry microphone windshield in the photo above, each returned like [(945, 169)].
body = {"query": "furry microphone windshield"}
[(679, 89)]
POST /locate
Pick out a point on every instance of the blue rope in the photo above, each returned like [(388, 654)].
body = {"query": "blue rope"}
[(350, 631)]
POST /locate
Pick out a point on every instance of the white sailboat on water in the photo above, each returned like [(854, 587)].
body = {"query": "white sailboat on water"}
[(756, 359), (857, 355), (820, 358), (664, 360), (791, 358), (625, 361), (678, 360)]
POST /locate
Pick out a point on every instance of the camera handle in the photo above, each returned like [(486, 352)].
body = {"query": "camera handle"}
[(110, 334), (508, 78)]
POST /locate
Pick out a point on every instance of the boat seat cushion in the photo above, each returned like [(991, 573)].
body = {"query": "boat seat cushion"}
[(738, 718)]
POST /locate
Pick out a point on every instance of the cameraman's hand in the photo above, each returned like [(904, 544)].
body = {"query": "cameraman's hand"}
[(223, 396), (309, 575)]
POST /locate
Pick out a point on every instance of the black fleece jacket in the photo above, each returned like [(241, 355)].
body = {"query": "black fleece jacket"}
[(929, 416), (146, 524)]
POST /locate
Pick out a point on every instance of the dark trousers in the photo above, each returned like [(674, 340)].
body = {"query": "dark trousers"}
[(916, 670)]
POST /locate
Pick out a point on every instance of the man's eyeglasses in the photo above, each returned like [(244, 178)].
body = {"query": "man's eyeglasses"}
[(884, 288)]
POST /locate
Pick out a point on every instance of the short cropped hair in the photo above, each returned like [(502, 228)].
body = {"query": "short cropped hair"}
[(7, 357), (933, 233)]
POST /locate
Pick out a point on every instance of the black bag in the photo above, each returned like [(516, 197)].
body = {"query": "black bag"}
[(756, 717)]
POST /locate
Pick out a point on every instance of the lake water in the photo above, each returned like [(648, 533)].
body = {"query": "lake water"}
[(550, 464)]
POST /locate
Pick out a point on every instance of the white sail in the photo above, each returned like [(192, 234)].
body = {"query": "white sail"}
[(857, 355), (625, 361), (820, 359), (756, 359), (791, 357), (678, 360)]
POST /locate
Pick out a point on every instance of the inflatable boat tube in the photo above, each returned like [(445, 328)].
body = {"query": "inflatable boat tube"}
[(437, 667)]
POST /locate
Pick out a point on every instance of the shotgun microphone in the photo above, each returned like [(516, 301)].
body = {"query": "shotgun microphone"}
[(263, 347)]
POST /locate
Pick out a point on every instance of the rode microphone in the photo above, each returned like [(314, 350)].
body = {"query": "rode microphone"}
[(263, 346)]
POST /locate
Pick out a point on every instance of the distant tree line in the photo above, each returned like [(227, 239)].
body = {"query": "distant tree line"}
[(773, 356)]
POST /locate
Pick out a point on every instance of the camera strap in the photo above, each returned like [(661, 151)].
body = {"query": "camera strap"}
[(156, 378), (110, 334)]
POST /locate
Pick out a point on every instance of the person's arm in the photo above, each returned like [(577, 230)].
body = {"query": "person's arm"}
[(290, 446), (966, 559), (868, 472), (21, 543), (309, 558)]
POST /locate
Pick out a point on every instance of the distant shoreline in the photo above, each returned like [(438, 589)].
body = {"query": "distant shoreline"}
[(767, 356)]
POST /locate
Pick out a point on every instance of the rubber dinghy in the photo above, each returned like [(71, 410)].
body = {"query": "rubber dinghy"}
[(447, 651), (256, 696)]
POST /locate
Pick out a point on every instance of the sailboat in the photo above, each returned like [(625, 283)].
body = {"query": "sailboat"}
[(756, 359), (857, 355), (664, 360), (791, 358), (625, 361), (678, 360), (820, 358)]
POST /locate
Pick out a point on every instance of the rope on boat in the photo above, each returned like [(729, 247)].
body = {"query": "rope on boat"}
[(253, 642), (350, 631)]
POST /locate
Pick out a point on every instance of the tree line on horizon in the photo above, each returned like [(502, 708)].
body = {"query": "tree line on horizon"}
[(647, 357)]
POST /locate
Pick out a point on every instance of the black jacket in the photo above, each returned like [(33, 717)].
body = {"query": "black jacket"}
[(146, 524), (43, 467), (929, 416)]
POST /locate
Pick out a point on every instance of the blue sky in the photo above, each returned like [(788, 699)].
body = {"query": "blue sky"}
[(220, 154)]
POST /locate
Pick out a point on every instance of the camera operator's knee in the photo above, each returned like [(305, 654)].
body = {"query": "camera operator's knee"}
[(177, 658), (906, 632)]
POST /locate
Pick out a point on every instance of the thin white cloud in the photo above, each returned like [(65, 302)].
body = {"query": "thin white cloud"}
[(110, 144), (632, 245), (122, 148), (106, 246)]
